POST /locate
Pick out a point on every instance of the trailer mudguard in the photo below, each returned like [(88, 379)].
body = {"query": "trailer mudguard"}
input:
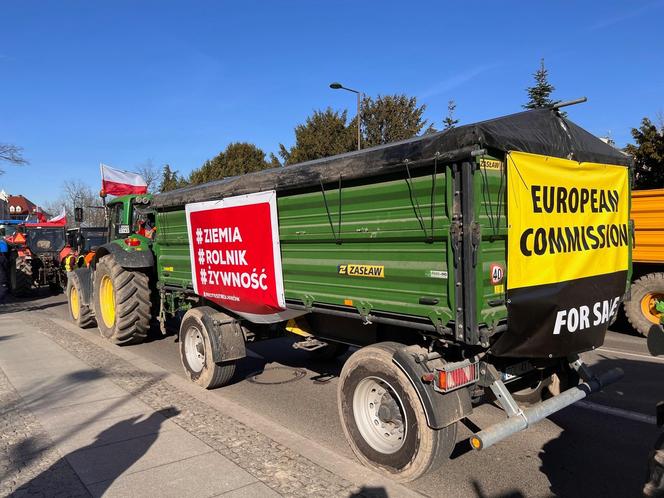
[(441, 409), (126, 259), (226, 336)]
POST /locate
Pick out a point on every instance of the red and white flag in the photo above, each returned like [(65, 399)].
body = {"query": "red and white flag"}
[(118, 182), (60, 219)]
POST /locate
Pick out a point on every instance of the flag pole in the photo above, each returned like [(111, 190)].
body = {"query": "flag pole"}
[(102, 194)]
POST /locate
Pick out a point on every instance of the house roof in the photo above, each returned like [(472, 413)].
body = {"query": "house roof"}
[(26, 205)]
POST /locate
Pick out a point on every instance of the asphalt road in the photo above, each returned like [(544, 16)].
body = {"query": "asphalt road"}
[(599, 449)]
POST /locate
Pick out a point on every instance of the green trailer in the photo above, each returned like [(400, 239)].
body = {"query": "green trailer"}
[(466, 265)]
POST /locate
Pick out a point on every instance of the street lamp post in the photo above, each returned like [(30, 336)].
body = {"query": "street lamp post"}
[(339, 86)]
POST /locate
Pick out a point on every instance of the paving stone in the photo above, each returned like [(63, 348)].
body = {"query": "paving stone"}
[(205, 475), (107, 431), (256, 490), (100, 463), (30, 465)]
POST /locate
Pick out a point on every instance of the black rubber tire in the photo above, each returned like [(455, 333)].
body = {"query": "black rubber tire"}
[(212, 375), (330, 352), (424, 449), (86, 317), (20, 276), (652, 283), (132, 302), (654, 487)]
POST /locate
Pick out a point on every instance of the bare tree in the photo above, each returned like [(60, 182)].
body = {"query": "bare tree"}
[(12, 154), (150, 173), (78, 194)]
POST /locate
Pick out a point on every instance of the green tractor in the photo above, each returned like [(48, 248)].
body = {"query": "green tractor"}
[(118, 275)]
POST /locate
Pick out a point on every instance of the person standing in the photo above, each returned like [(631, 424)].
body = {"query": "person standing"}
[(4, 269)]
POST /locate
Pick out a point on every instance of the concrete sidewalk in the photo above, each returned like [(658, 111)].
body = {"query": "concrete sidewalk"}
[(76, 419), (115, 444)]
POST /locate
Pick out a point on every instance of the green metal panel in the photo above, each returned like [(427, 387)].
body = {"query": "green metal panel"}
[(390, 223), (172, 249), (490, 201), (383, 223)]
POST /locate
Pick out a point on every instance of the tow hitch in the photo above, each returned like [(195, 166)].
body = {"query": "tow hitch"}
[(519, 419)]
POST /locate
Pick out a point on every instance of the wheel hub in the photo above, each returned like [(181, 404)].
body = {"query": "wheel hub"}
[(194, 347), (649, 307), (73, 303), (379, 415), (107, 301)]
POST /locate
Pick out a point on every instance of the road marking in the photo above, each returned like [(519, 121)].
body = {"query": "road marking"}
[(617, 412), (616, 351)]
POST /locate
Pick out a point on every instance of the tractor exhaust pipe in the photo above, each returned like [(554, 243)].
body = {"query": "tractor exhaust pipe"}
[(525, 418)]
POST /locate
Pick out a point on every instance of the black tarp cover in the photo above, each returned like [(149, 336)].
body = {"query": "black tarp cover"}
[(540, 131)]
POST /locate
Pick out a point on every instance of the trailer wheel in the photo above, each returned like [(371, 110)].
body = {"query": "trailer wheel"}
[(640, 309), (196, 352), (383, 419), (80, 313), (122, 302), (20, 276)]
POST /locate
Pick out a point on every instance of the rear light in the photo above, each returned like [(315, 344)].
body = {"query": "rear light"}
[(132, 242), (455, 375)]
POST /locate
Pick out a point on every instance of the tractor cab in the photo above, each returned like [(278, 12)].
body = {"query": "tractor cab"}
[(85, 239), (131, 215), (8, 227)]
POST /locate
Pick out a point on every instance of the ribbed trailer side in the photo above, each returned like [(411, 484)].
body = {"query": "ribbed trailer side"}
[(381, 246), (648, 215)]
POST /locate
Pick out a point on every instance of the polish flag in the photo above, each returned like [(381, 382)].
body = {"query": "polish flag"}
[(118, 182), (60, 219)]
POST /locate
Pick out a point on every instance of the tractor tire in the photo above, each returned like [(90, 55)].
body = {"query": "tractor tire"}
[(383, 419), (640, 309), (20, 276), (196, 352), (80, 313), (121, 302)]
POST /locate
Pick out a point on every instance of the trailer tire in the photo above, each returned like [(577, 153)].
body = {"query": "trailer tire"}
[(20, 276), (196, 353), (383, 419), (122, 302), (640, 308), (80, 312)]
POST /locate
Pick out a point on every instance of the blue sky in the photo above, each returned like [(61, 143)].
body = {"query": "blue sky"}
[(122, 82)]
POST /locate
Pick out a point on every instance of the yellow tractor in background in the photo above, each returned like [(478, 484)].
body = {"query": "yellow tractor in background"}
[(644, 307)]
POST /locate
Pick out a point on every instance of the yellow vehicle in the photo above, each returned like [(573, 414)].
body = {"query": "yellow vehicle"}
[(647, 290)]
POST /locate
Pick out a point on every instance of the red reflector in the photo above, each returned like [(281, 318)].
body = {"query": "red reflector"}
[(457, 376), (427, 377), (131, 242)]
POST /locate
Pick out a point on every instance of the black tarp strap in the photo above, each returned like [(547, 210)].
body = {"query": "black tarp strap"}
[(433, 193), (416, 205), (336, 234), (494, 222)]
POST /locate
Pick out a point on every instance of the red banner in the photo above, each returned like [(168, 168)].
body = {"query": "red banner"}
[(236, 261)]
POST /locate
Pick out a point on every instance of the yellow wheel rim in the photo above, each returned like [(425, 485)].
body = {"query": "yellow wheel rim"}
[(107, 301), (648, 303), (74, 305)]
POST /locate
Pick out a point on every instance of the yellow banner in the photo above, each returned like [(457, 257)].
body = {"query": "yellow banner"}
[(567, 220)]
